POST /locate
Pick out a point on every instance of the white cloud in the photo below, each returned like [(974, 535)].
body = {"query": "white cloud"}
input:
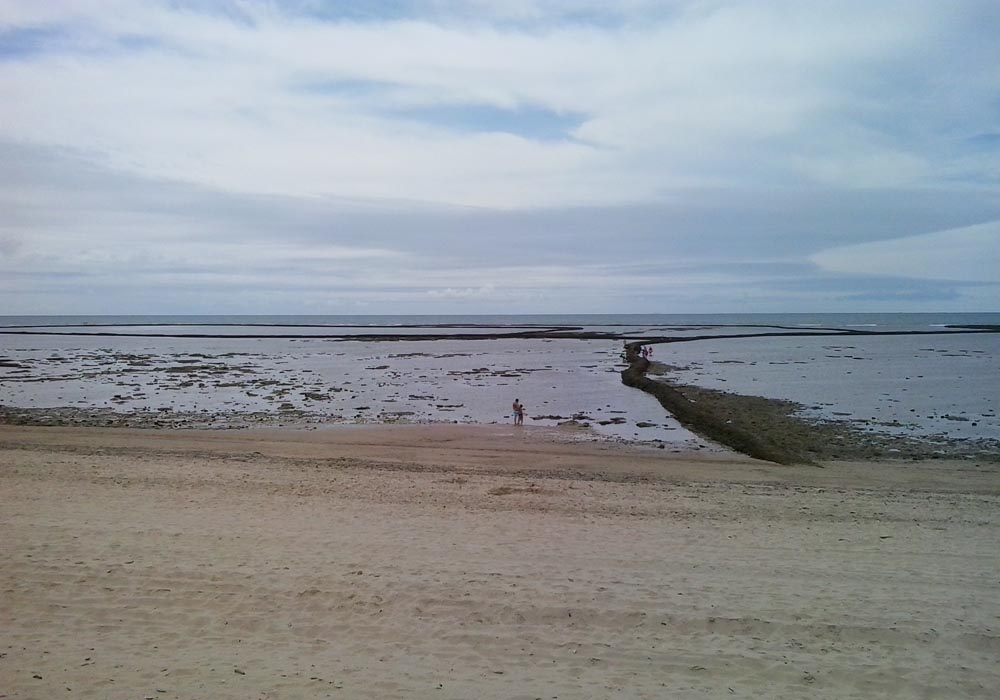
[(184, 151), (708, 93), (968, 254), (481, 292)]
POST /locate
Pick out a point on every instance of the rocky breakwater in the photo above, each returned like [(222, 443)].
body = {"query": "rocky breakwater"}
[(774, 430), (734, 429)]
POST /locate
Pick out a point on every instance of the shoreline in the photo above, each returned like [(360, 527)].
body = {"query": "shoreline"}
[(758, 427), (258, 391)]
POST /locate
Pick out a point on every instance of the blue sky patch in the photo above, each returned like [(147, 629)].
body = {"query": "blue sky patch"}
[(34, 41), (29, 41), (985, 139), (344, 88), (339, 10), (535, 123), (138, 42)]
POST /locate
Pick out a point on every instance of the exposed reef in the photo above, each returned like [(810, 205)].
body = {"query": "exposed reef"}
[(741, 435), (772, 430)]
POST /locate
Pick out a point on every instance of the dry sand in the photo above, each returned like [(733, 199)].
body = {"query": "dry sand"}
[(484, 562)]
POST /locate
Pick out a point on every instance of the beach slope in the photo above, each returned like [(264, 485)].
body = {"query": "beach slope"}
[(484, 562)]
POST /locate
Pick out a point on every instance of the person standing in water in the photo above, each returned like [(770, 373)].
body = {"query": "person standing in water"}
[(518, 412)]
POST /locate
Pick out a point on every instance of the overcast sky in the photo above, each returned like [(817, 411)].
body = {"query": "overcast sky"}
[(523, 156)]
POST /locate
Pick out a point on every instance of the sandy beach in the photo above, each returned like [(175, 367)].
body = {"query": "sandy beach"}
[(485, 562)]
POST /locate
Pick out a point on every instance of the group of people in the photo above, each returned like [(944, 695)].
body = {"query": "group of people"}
[(518, 412), (643, 352)]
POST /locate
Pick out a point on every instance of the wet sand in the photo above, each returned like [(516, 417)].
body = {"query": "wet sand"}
[(484, 561)]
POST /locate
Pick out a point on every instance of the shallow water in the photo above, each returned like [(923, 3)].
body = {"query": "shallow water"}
[(348, 381), (915, 385)]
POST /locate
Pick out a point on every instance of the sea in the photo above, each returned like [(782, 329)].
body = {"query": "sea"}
[(927, 375)]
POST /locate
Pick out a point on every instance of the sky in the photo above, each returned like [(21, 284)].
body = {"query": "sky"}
[(525, 156)]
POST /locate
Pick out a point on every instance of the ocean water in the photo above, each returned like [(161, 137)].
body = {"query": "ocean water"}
[(879, 321), (314, 368)]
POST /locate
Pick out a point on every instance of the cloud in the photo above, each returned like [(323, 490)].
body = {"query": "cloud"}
[(969, 254), (85, 238), (435, 155), (571, 104), (483, 291)]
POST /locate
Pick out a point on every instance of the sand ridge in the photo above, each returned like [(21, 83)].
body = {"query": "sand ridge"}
[(479, 561)]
